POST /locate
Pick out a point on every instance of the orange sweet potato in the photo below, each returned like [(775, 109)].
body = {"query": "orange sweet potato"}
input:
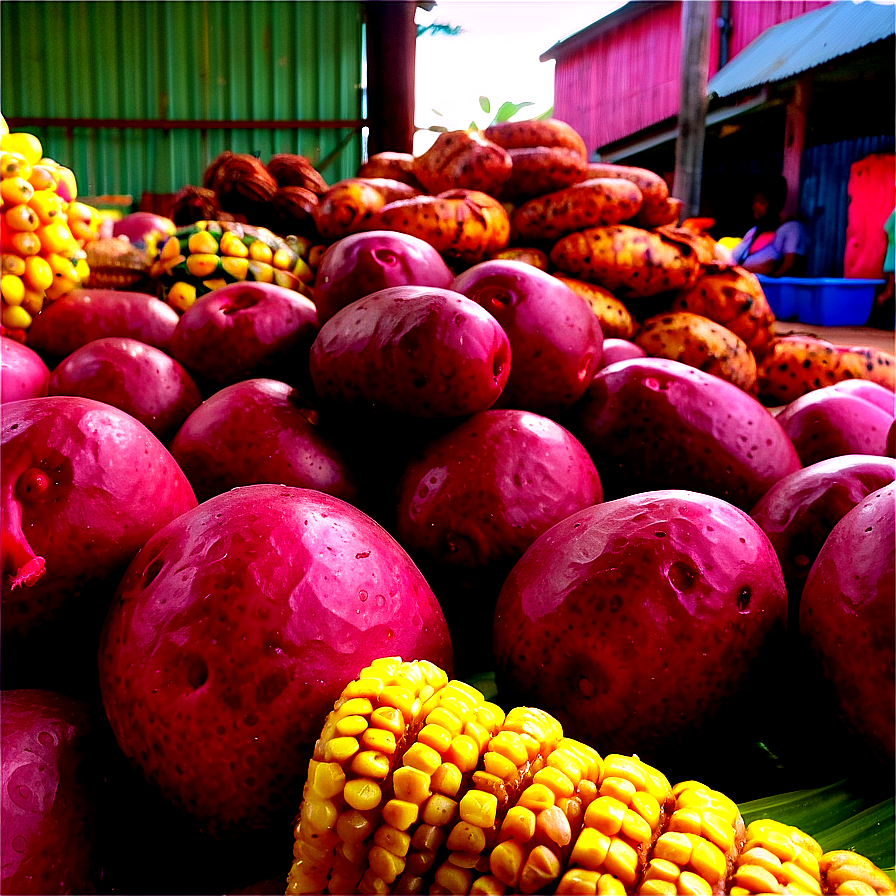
[(546, 132), (542, 169), (463, 160), (348, 205), (616, 321), (392, 166), (589, 203)]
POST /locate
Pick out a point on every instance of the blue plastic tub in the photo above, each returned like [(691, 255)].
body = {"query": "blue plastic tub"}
[(823, 301)]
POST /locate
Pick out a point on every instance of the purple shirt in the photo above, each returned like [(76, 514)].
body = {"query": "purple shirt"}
[(790, 239)]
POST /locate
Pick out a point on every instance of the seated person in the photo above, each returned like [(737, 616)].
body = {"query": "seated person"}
[(775, 246)]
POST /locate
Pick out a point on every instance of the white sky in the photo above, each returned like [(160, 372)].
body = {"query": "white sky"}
[(496, 55)]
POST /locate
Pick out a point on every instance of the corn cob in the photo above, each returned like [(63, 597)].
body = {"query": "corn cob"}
[(42, 259), (418, 784), (203, 256)]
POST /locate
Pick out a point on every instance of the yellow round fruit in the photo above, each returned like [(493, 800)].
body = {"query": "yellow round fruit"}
[(26, 145), (4, 127)]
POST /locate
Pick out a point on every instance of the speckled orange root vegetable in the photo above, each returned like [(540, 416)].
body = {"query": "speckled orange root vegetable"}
[(543, 132), (796, 365), (463, 160), (656, 209), (542, 169), (466, 225), (629, 261), (699, 342), (348, 205), (616, 321), (420, 785), (590, 203), (732, 297)]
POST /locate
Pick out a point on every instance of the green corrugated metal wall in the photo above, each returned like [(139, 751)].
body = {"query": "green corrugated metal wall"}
[(221, 61)]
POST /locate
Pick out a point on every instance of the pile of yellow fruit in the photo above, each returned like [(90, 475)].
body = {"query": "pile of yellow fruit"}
[(43, 230)]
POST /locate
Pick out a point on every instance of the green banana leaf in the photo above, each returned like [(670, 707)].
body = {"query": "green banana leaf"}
[(842, 815)]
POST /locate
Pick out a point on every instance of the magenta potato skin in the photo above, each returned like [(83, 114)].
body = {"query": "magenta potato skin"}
[(84, 486), (413, 350), (362, 263), (846, 617), (485, 491), (653, 423), (799, 512), (636, 620), (137, 378), (257, 431), (616, 349), (555, 337), (23, 373), (245, 330), (852, 417), (233, 632), (83, 315), (138, 226), (50, 796)]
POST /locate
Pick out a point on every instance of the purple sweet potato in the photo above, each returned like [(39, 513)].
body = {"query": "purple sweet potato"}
[(418, 351), (654, 423)]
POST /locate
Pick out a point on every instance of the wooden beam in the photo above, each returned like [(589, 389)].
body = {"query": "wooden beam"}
[(794, 140), (696, 18), (391, 58)]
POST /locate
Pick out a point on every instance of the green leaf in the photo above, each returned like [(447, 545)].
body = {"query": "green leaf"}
[(507, 110), (839, 816), (485, 104), (436, 112), (548, 113)]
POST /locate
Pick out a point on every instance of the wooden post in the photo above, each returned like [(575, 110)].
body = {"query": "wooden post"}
[(391, 57), (696, 16), (794, 140)]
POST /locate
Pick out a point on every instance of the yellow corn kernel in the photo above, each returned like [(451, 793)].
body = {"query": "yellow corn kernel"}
[(12, 289), (57, 238), (464, 753), (756, 880), (857, 888), (353, 827), (605, 814), (15, 317), (14, 164), (260, 271), (351, 726), (658, 887), (396, 841), (635, 828), (519, 824), (506, 862), (661, 869), (555, 780), (452, 878), (259, 251), (238, 268), (792, 876), (33, 301), (578, 882), (622, 861), (479, 734), (490, 715), (620, 789), (202, 243), (388, 718), (24, 243), (446, 719), (648, 807), (510, 745), (422, 757), (385, 864), (362, 794), (380, 740), (438, 810), (480, 809), (807, 861), (371, 764), (536, 797), (15, 190), (762, 858), (59, 287), (436, 736), (318, 816), (466, 837), (232, 246), (446, 779), (707, 860), (43, 178), (341, 749), (541, 868), (610, 886), (844, 870), (326, 779), (487, 885), (690, 884), (411, 784), (48, 206), (171, 250), (497, 764), (202, 265), (591, 849), (181, 296), (400, 814), (21, 217), (674, 847), (685, 820)]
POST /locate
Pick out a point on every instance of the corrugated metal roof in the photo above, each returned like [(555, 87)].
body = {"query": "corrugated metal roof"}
[(804, 43)]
